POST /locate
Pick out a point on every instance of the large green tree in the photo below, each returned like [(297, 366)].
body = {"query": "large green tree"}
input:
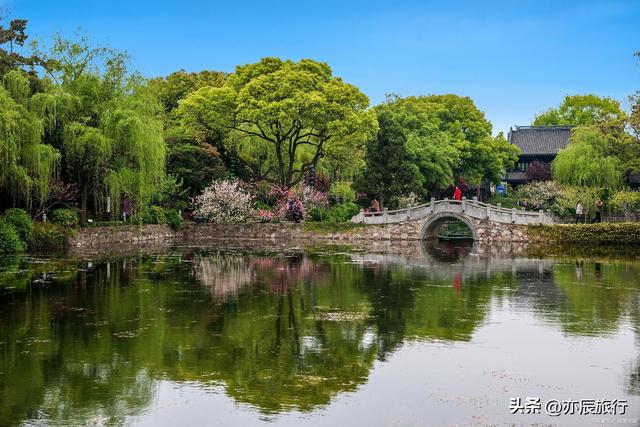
[(424, 143), (282, 117), (193, 163), (586, 162), (106, 122), (389, 169), (583, 110), (26, 164)]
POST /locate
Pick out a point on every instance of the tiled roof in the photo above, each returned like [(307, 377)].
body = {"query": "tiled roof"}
[(540, 140)]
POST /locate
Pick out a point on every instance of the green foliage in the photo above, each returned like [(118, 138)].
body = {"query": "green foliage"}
[(568, 198), (582, 110), (389, 169), (47, 236), (558, 199), (194, 164), (172, 217), (106, 122), (409, 201), (176, 86), (509, 200), (317, 213), (26, 165), (626, 201), (605, 232), (10, 241), (65, 217), (585, 162), (425, 142), (21, 221), (540, 194), (282, 117), (154, 215), (342, 192), (342, 212)]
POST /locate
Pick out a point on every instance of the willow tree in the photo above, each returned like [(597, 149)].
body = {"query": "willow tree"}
[(585, 161), (26, 165), (283, 117), (105, 121)]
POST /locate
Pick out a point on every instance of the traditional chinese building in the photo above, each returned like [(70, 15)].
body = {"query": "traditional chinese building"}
[(537, 144)]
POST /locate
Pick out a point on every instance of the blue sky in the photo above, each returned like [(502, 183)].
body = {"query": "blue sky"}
[(514, 59)]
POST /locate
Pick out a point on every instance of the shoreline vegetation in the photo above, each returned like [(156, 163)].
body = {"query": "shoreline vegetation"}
[(86, 141)]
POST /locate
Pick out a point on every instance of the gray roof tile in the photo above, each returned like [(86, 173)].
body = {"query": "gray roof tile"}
[(540, 140)]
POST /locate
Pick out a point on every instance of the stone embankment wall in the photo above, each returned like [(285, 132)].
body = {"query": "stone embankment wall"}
[(191, 233)]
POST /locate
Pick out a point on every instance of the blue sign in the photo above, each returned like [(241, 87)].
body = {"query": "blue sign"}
[(500, 189)]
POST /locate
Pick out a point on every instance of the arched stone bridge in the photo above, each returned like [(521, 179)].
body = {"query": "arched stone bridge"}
[(486, 222)]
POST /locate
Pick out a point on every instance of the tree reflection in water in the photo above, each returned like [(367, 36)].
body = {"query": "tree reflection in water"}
[(276, 330)]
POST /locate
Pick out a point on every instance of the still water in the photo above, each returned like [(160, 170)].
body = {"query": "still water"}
[(318, 336)]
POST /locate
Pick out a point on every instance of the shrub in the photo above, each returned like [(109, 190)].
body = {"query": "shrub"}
[(318, 213), (605, 232), (565, 203), (342, 192), (65, 217), (409, 201), (313, 197), (626, 201), (266, 215), (540, 194), (10, 241), (156, 215), (172, 217), (224, 201), (47, 235), (21, 222), (506, 201), (343, 212)]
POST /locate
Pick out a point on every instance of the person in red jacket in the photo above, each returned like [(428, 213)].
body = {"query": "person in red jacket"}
[(457, 194)]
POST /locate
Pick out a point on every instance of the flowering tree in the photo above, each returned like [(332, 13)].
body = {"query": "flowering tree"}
[(313, 197), (224, 202)]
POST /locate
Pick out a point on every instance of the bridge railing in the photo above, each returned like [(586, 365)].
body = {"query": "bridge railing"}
[(471, 208)]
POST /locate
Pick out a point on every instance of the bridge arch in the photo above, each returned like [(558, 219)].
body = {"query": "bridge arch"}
[(432, 224)]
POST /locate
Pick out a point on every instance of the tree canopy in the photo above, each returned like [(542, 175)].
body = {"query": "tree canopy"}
[(105, 121), (426, 142), (282, 117), (582, 110), (585, 161)]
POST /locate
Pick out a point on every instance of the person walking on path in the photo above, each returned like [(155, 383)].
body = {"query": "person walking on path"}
[(375, 206), (579, 212), (598, 217), (457, 194)]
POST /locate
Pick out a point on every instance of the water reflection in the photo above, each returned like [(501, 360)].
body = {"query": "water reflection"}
[(88, 342)]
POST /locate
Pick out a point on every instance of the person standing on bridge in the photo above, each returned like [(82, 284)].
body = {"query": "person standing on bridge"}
[(457, 194)]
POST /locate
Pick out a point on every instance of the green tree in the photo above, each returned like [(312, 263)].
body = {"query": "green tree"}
[(178, 85), (281, 117), (585, 161), (424, 142), (195, 164), (106, 122), (389, 169), (26, 165), (583, 110)]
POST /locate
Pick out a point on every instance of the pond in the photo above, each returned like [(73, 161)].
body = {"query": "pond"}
[(294, 335)]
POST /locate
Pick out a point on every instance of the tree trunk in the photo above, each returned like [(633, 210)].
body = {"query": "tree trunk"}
[(83, 207)]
